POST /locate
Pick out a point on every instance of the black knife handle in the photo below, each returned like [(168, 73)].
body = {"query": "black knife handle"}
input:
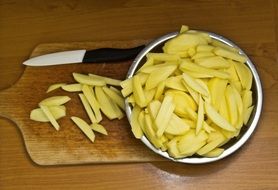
[(111, 54)]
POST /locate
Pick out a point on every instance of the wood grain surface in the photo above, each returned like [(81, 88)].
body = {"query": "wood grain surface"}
[(252, 24)]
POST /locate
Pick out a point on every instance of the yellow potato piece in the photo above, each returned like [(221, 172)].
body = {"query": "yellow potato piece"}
[(175, 82), (204, 48), (214, 62), (57, 112), (163, 57), (184, 29), (191, 51), (190, 143), (246, 114), (164, 115), (232, 71), (239, 105), (87, 108), (153, 108), (200, 117), (232, 105), (176, 126), (85, 128), (217, 43), (107, 80), (54, 87), (211, 145), (115, 90), (229, 54), (118, 99), (135, 126), (214, 153), (247, 98), (189, 66), (138, 92), (127, 84), (149, 94), (217, 88), (217, 118), (50, 117), (98, 128), (106, 104), (85, 79), (149, 62), (90, 96), (72, 87), (55, 101), (191, 82), (223, 109), (173, 149), (159, 90), (158, 76), (200, 55), (197, 75), (244, 75)]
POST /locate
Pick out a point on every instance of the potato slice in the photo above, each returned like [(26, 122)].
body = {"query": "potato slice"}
[(149, 62), (190, 143), (244, 75), (247, 114), (217, 43), (232, 105), (214, 153), (217, 118), (200, 117), (214, 62), (55, 101), (116, 90), (194, 85), (200, 55), (98, 128), (118, 99), (164, 115), (229, 54), (204, 48), (88, 108), (72, 87), (50, 117), (85, 128), (107, 80), (173, 148), (135, 126), (211, 145), (175, 83), (57, 112), (158, 76), (184, 29), (85, 79), (176, 126), (247, 98), (193, 93), (106, 104), (149, 94), (197, 75), (159, 90), (138, 92), (90, 96), (54, 87), (127, 84), (163, 57), (189, 66), (217, 88), (153, 108)]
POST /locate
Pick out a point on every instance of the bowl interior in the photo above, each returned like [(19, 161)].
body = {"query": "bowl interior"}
[(246, 131)]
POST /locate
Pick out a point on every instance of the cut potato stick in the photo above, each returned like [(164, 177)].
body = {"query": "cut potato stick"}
[(247, 114), (200, 117), (232, 105), (88, 108), (214, 153), (57, 112), (55, 101), (118, 99), (85, 79), (159, 90), (138, 92), (107, 80), (215, 62), (135, 126), (50, 117), (85, 128), (54, 87), (72, 87), (175, 83), (90, 96), (229, 54), (98, 128), (116, 90)]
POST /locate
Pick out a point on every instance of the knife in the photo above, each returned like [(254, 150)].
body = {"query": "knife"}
[(85, 56)]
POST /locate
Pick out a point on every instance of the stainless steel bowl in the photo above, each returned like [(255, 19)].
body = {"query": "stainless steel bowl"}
[(246, 131)]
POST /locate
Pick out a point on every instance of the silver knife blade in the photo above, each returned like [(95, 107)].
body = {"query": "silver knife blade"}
[(65, 57)]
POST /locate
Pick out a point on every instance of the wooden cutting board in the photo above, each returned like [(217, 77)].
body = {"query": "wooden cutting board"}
[(45, 145)]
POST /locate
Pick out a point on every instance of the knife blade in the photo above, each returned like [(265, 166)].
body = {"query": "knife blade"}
[(85, 56)]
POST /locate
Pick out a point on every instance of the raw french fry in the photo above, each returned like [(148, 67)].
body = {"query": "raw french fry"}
[(194, 85), (247, 98), (191, 51), (244, 75), (204, 48), (217, 43), (54, 87), (158, 76), (50, 117), (107, 80), (57, 112), (153, 108), (159, 90), (200, 117), (217, 118), (85, 128), (193, 93), (214, 62), (217, 88), (98, 128), (90, 96), (211, 145), (184, 29), (197, 75), (116, 90), (175, 82), (200, 55), (138, 93), (214, 153), (223, 109), (88, 108), (135, 126), (229, 54), (164, 115), (232, 105), (188, 66), (55, 101), (232, 71), (85, 79), (72, 87), (163, 57), (176, 126), (106, 104), (173, 148), (149, 62), (118, 99), (246, 114), (149, 94)]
